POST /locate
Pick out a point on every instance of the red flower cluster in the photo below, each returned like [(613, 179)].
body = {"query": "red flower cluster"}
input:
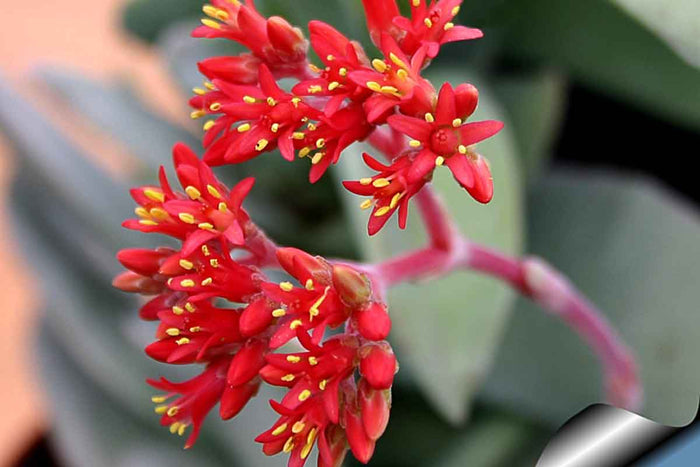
[(346, 100), (339, 389)]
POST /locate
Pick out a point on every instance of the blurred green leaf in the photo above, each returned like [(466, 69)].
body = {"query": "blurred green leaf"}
[(675, 21), (120, 113), (446, 330), (146, 19), (605, 48), (535, 105), (633, 250)]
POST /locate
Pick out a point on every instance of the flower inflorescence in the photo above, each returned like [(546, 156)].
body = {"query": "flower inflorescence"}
[(212, 298)]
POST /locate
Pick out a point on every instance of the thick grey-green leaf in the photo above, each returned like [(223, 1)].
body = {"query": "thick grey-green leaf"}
[(607, 49), (118, 111), (675, 21), (535, 105), (633, 249), (446, 330)]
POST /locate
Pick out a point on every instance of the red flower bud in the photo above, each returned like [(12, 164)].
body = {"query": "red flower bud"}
[(255, 318), (135, 283), (235, 398), (374, 407), (246, 363), (378, 365), (332, 446), (144, 261), (286, 38), (300, 264), (242, 69), (374, 322), (466, 99), (352, 286), (362, 446)]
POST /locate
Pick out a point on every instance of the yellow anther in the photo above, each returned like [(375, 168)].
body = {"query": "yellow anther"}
[(271, 101), (414, 143), (172, 411), (205, 226), (159, 213), (303, 395), (428, 23), (187, 283), (161, 409), (322, 384), (311, 127), (181, 430), (306, 450), (172, 332), (374, 86), (320, 143), (279, 430), (148, 222), (243, 127), (288, 445), (439, 160), (317, 157), (214, 262), (278, 313), (287, 378), (415, 3), (365, 181), (249, 100), (455, 10), (298, 135), (314, 88), (154, 195), (457, 122), (192, 192), (295, 101), (366, 204), (141, 212), (429, 117), (262, 144), (189, 307), (312, 435), (381, 183), (209, 86), (222, 207), (379, 65), (402, 74), (309, 284), (462, 149), (205, 250), (397, 61), (208, 125), (214, 12), (303, 152), (314, 311), (330, 57), (343, 72), (178, 310), (215, 107), (213, 191), (211, 23), (286, 286), (207, 281), (293, 358), (295, 324), (158, 399), (298, 427), (313, 361), (186, 217), (184, 264), (275, 127), (182, 341), (395, 200), (389, 90), (382, 211), (333, 85), (195, 329), (199, 91), (448, 26), (314, 68)]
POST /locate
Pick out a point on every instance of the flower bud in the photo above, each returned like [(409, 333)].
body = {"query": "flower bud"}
[(378, 365), (352, 286), (374, 408), (361, 445), (255, 318), (144, 261), (246, 364), (235, 398), (373, 322), (332, 446), (285, 38), (466, 99), (135, 283), (241, 69), (300, 264)]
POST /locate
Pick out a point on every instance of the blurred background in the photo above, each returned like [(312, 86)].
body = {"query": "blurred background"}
[(601, 102)]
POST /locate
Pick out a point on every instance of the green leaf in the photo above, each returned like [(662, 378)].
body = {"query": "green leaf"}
[(446, 330), (119, 112), (608, 50), (535, 105), (675, 21), (632, 248)]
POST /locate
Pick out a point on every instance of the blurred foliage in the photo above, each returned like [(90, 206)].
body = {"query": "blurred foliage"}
[(466, 346)]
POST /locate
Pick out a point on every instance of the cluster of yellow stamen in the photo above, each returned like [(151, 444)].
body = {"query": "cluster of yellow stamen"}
[(171, 411)]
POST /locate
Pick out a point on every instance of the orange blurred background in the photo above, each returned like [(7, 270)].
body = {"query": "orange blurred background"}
[(85, 36)]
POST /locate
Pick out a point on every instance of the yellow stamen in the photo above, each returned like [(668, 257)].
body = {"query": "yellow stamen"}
[(295, 324), (172, 411), (211, 23), (182, 341), (462, 149), (382, 211), (186, 217), (154, 195), (147, 222), (271, 101), (159, 213), (448, 26), (333, 85), (298, 135), (415, 3), (215, 107), (293, 358), (455, 10), (205, 250), (222, 207), (365, 181), (288, 445), (439, 160), (243, 127), (381, 183), (288, 378), (192, 192), (397, 61), (161, 409), (311, 127), (209, 85), (309, 285), (330, 57), (195, 329), (286, 286), (275, 127), (158, 399), (312, 435), (181, 430), (305, 394), (199, 91), (389, 90), (249, 100), (317, 157), (429, 117), (313, 361), (189, 307), (187, 283), (262, 144), (374, 86), (306, 450), (178, 310), (315, 88), (207, 281), (298, 427), (322, 384), (457, 122), (184, 264), (366, 204), (278, 313), (343, 72), (414, 143), (279, 430), (205, 226), (395, 200), (213, 191), (303, 152), (402, 74), (141, 212), (208, 125), (379, 65), (214, 262), (428, 23), (314, 311), (295, 101)]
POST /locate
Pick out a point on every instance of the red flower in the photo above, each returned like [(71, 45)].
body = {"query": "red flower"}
[(272, 41)]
